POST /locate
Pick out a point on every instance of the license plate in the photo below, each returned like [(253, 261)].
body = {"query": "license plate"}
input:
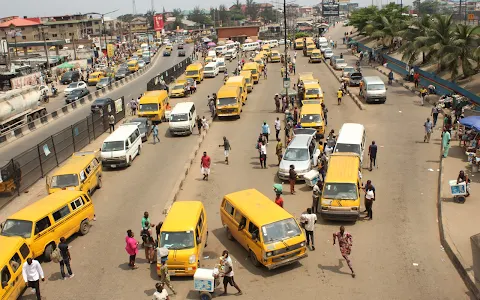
[(171, 272), (113, 166)]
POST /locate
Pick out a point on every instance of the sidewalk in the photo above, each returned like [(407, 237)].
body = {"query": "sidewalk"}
[(460, 221)]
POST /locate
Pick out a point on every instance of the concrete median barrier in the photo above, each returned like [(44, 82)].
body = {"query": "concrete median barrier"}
[(186, 169)]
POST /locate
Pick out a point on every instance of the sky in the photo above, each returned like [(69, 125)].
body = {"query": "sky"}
[(43, 8)]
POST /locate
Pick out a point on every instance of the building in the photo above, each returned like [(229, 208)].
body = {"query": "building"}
[(239, 34), (306, 11), (20, 29), (139, 25)]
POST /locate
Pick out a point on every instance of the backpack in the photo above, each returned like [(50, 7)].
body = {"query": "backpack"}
[(56, 256)]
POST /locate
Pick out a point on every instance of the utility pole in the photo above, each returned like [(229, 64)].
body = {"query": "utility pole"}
[(45, 47), (286, 44), (9, 60)]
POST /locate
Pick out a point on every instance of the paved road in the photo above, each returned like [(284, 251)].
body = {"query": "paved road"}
[(130, 90), (395, 256), (98, 258)]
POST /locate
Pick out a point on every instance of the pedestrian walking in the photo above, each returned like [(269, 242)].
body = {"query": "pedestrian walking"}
[(278, 198), (278, 127), (131, 248), (295, 115), (111, 122), (155, 134), (446, 142), (325, 113), (284, 103), (228, 273), (372, 153), (65, 258), (292, 178), (226, 148), (369, 198), (148, 242), (423, 94), (265, 130), (308, 221), (263, 155), (428, 125), (277, 102), (164, 275), (133, 107), (199, 125), (345, 245), (416, 79), (279, 150), (160, 293), (32, 273), (316, 194), (339, 96), (205, 123), (205, 165), (434, 114)]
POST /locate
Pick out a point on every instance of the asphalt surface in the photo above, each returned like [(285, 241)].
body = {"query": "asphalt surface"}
[(130, 90), (397, 255)]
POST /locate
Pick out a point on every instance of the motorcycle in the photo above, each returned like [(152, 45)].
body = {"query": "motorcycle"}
[(54, 92), (44, 98)]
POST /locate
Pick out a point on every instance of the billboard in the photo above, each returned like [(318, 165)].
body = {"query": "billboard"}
[(110, 50), (330, 9), (158, 22)]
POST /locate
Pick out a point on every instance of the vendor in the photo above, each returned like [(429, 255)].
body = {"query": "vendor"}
[(462, 177)]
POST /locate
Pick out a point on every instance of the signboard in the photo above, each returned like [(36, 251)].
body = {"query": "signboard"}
[(30, 79), (286, 83), (119, 105), (96, 41), (110, 50), (330, 9), (471, 17), (158, 22), (3, 46)]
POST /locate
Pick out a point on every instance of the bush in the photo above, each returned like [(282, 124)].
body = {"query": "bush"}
[(301, 35)]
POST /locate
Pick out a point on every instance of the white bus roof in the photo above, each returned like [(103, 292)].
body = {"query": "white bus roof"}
[(182, 107), (350, 133), (121, 132)]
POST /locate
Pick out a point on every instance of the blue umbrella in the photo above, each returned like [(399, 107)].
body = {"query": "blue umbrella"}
[(472, 121)]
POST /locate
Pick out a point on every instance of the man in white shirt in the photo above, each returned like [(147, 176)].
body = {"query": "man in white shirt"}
[(32, 272), (277, 128), (228, 276), (309, 219), (161, 293)]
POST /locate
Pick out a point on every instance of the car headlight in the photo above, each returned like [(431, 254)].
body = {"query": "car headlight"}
[(302, 244), (192, 259), (269, 254), (122, 157)]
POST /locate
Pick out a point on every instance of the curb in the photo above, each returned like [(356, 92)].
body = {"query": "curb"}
[(354, 97), (177, 187), (452, 255)]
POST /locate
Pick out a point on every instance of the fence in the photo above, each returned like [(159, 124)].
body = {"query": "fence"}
[(426, 78), (30, 166), (21, 172)]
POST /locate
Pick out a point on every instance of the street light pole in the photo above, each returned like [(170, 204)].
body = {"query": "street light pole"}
[(286, 53), (45, 47)]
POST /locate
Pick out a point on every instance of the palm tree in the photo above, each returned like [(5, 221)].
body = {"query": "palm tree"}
[(413, 36), (387, 29), (465, 41)]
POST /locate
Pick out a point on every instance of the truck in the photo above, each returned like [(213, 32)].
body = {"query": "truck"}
[(18, 109)]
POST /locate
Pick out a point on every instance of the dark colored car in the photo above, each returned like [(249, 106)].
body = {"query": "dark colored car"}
[(145, 127), (104, 82), (70, 76), (167, 53), (180, 46), (100, 103), (181, 52), (355, 78), (122, 73), (76, 94), (146, 59)]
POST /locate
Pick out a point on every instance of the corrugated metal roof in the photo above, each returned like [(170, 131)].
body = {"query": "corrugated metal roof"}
[(19, 23)]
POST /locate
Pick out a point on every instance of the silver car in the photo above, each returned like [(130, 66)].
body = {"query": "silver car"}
[(339, 64), (328, 53), (302, 153), (141, 64), (347, 70)]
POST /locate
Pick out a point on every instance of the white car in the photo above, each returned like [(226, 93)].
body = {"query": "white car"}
[(282, 42), (141, 64), (339, 64), (328, 53), (74, 86), (345, 23), (323, 46), (347, 70)]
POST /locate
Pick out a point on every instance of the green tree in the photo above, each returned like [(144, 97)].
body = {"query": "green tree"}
[(199, 16), (126, 18), (223, 14), (252, 9), (149, 16), (414, 39), (268, 14)]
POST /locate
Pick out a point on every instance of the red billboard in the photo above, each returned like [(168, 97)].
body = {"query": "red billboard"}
[(158, 22)]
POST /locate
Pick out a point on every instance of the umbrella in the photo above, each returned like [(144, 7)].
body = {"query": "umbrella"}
[(473, 122), (66, 65), (248, 40), (221, 43), (230, 42), (211, 44), (291, 92)]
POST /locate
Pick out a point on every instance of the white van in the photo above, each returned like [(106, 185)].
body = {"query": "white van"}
[(81, 47), (213, 54), (221, 64), (221, 50), (211, 70), (122, 146), (250, 46), (351, 138), (231, 54), (373, 89), (182, 118), (322, 39), (231, 46), (273, 43)]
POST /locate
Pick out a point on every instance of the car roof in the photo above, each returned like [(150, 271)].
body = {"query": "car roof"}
[(77, 163), (183, 216), (300, 141), (347, 170), (182, 107), (351, 133), (121, 132)]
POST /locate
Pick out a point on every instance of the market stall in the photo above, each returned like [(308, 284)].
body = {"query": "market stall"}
[(469, 137)]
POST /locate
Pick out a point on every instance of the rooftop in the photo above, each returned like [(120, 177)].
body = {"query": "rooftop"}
[(18, 22)]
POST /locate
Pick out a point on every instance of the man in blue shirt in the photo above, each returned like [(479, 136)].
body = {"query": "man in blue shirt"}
[(372, 153), (265, 130)]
